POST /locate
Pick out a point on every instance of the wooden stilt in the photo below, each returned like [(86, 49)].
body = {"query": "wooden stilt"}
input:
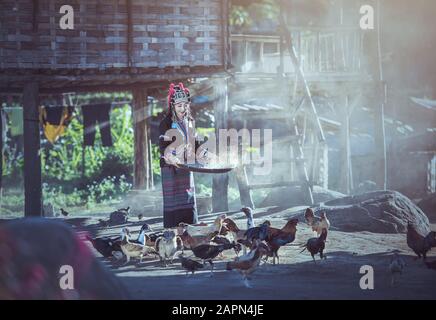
[(220, 182), (141, 178), (32, 159), (244, 190), (345, 180)]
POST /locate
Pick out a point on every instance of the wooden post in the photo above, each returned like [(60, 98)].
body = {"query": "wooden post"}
[(32, 159), (345, 164), (244, 190), (380, 140), (141, 178), (220, 182)]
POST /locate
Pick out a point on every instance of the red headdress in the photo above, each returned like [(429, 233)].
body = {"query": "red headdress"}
[(178, 93)]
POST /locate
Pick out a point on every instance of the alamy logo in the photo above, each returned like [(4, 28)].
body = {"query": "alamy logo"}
[(229, 151), (67, 20), (367, 19), (66, 282), (367, 280)]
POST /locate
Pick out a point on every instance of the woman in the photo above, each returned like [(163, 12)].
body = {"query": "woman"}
[(179, 202)]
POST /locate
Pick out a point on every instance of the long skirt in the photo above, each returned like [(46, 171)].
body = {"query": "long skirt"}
[(179, 202)]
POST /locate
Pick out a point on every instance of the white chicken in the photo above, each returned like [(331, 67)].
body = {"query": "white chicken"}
[(168, 245), (317, 223), (204, 229)]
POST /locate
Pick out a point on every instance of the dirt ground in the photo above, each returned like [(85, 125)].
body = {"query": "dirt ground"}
[(296, 277)]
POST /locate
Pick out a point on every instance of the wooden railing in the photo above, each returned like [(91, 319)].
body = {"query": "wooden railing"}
[(327, 50)]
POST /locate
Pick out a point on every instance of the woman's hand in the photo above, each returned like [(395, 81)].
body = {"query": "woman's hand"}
[(172, 160)]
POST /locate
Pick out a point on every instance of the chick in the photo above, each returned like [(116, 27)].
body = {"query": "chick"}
[(190, 265), (396, 266)]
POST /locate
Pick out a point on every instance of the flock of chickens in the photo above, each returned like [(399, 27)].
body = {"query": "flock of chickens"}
[(207, 242)]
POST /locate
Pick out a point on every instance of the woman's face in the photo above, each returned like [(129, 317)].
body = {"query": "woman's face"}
[(181, 108)]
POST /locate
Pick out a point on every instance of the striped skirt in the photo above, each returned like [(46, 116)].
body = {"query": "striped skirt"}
[(179, 202)]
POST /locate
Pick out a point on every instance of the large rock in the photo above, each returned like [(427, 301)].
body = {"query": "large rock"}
[(32, 252), (287, 197), (428, 205), (379, 212)]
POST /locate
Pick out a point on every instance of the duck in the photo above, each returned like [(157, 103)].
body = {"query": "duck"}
[(134, 250)]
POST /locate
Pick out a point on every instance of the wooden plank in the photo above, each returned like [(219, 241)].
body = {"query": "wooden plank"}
[(276, 185), (32, 160)]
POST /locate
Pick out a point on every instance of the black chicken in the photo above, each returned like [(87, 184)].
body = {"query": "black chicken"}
[(189, 265), (257, 233), (64, 213), (418, 243), (208, 252), (219, 239), (317, 245), (105, 245)]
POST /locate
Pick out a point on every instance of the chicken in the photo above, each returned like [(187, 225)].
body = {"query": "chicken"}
[(103, 223), (190, 265), (134, 250), (317, 245), (317, 223), (418, 243), (64, 213), (208, 252), (257, 233), (277, 238), (248, 263), (396, 266), (190, 242), (219, 239), (204, 229), (233, 229), (104, 245), (168, 245)]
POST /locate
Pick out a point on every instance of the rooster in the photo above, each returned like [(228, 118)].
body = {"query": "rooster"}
[(168, 245), (277, 238), (396, 266), (248, 263), (317, 245), (418, 243), (317, 223)]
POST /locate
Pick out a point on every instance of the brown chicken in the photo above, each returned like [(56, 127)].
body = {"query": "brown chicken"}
[(248, 263), (279, 237)]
